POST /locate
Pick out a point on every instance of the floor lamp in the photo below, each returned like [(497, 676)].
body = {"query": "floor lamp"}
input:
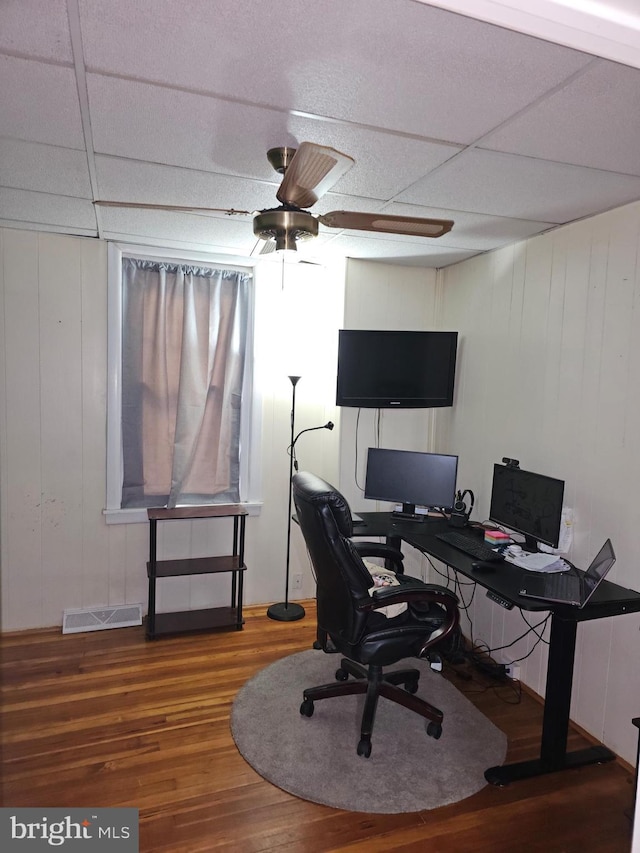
[(287, 611)]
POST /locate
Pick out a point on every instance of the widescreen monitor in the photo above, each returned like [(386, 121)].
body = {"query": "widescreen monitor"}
[(527, 503), (411, 478)]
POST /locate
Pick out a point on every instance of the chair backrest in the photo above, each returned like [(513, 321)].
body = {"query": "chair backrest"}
[(341, 577)]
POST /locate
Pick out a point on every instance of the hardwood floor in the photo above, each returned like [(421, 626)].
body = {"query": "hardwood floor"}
[(109, 719)]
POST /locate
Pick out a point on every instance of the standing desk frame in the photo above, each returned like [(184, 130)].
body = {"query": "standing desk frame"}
[(608, 600)]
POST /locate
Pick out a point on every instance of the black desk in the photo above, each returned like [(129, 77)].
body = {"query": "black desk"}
[(608, 600)]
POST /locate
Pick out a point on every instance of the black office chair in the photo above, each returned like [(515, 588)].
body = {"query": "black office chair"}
[(349, 620)]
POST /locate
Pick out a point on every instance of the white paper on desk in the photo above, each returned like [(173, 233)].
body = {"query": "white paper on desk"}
[(539, 563), (566, 534)]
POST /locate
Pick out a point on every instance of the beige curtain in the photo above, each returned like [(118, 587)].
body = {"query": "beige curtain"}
[(184, 342)]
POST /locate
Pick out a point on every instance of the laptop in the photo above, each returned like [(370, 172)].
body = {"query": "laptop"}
[(570, 588)]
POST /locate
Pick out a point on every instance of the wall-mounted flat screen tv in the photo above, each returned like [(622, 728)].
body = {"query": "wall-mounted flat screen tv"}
[(385, 369)]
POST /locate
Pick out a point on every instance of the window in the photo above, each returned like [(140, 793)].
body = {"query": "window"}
[(181, 382)]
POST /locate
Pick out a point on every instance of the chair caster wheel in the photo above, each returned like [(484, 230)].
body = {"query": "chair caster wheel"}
[(317, 645), (341, 674), (434, 730), (364, 748), (306, 709), (411, 686)]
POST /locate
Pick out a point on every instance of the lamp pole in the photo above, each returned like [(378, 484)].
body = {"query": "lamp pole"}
[(285, 611)]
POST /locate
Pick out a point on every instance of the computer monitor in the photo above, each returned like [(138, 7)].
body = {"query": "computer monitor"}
[(527, 503), (411, 478)]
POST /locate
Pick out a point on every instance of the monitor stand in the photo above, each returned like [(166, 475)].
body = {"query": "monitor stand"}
[(530, 545), (408, 513)]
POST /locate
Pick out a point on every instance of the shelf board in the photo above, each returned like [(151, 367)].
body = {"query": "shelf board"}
[(197, 566), (194, 620), (207, 511)]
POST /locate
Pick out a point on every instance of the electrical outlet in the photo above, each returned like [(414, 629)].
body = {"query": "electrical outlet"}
[(296, 582), (512, 670)]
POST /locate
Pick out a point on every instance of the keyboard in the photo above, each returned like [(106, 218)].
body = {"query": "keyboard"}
[(562, 586), (472, 547)]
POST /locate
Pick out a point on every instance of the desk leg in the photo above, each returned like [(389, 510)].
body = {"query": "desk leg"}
[(394, 542), (555, 724)]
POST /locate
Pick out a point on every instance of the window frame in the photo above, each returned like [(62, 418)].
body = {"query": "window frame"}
[(251, 423)]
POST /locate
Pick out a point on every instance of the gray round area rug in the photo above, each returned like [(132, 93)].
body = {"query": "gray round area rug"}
[(315, 757)]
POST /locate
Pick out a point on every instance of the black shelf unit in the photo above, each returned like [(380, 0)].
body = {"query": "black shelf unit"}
[(210, 619)]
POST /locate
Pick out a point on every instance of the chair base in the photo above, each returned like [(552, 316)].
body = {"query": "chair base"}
[(373, 682)]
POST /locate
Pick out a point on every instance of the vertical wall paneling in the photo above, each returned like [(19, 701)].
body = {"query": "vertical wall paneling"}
[(21, 463), (96, 582), (553, 322), (61, 441)]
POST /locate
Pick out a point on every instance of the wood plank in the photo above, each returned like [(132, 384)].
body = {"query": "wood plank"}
[(108, 719), (206, 511), (197, 566), (195, 620)]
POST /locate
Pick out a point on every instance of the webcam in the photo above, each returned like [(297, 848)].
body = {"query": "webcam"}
[(511, 463)]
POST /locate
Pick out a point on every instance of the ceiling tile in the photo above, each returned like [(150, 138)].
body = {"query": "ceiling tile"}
[(44, 168), (129, 180), (594, 121), (522, 187), (39, 103), (27, 29), (44, 209)]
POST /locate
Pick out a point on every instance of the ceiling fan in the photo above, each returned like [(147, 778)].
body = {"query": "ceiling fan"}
[(309, 172)]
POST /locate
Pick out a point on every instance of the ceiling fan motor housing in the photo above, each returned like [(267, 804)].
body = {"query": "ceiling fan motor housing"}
[(286, 227)]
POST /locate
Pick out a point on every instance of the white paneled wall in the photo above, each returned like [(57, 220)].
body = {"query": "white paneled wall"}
[(549, 373), (57, 551)]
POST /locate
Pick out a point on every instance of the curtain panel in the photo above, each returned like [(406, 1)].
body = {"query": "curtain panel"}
[(184, 340)]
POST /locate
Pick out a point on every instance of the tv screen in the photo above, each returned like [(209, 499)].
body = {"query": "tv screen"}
[(383, 369)]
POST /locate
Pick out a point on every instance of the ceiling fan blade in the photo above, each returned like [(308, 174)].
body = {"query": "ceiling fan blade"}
[(173, 207), (313, 170), (381, 222)]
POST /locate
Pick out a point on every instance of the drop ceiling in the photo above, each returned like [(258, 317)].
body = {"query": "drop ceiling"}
[(156, 101)]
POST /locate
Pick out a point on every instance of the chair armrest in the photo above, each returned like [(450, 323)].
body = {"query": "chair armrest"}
[(380, 549), (411, 589)]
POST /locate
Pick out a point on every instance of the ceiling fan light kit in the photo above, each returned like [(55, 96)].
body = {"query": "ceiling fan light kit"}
[(309, 171)]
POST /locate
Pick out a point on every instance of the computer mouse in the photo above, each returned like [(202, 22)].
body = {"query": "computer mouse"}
[(484, 566)]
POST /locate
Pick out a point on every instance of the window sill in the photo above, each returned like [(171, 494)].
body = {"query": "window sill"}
[(138, 516)]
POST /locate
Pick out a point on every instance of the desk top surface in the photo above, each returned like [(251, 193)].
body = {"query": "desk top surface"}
[(609, 599)]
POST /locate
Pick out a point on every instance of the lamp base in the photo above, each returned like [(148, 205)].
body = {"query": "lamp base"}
[(289, 612)]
